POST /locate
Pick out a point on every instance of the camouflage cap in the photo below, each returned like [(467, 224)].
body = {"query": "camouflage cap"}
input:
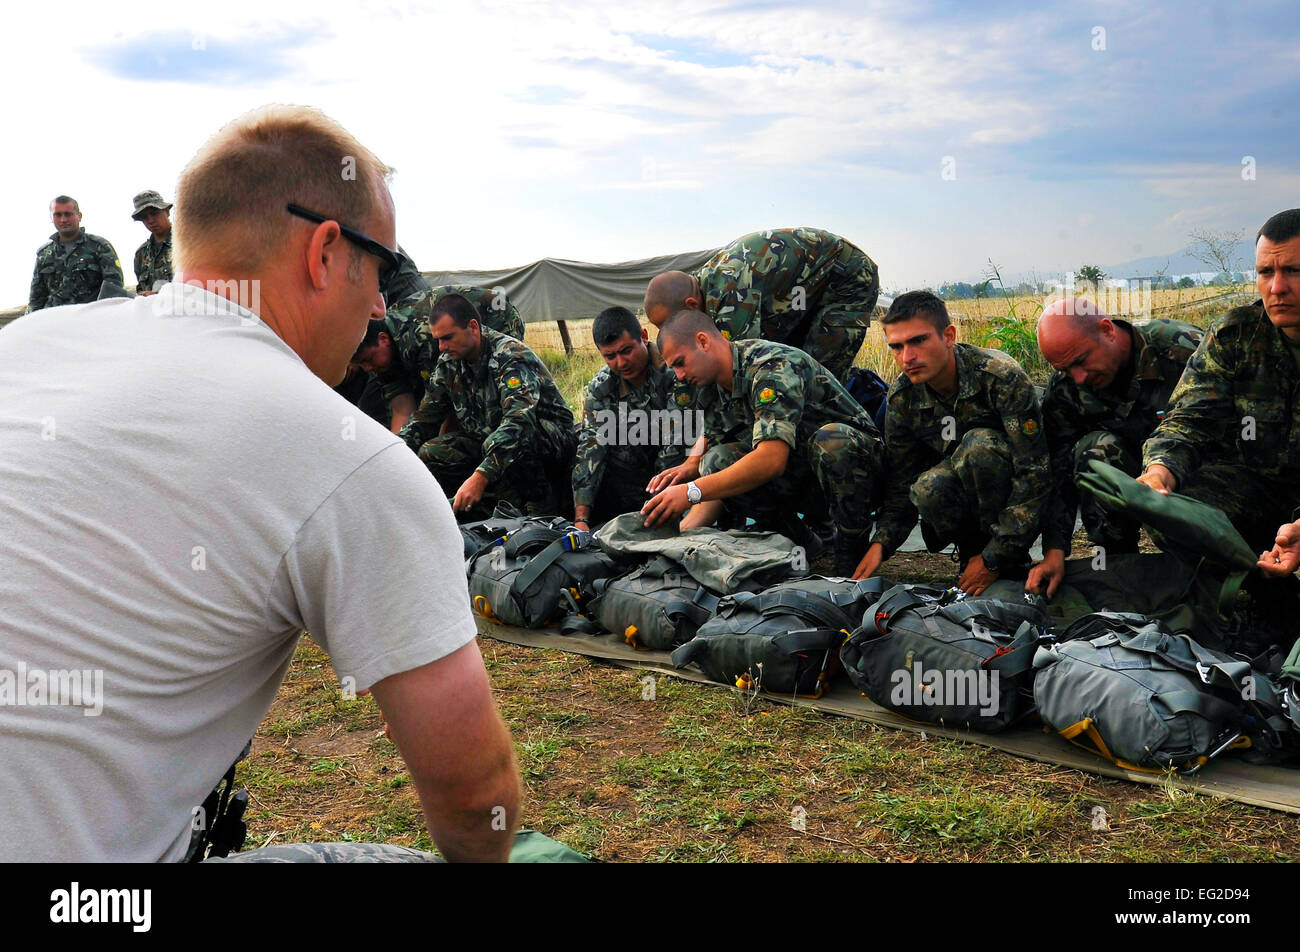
[(146, 200)]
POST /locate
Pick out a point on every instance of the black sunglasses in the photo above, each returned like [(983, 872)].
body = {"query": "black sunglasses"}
[(391, 259)]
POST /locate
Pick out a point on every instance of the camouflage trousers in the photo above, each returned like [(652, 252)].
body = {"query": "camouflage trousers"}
[(838, 326), (962, 497), (1255, 505), (330, 853), (839, 464), (1111, 531), (536, 478)]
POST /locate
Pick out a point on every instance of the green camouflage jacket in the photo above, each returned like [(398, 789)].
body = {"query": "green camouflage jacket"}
[(497, 397), (153, 263), (1237, 401), (70, 272), (765, 284), (415, 352), (1161, 349), (921, 430), (778, 393), (633, 439), (404, 283)]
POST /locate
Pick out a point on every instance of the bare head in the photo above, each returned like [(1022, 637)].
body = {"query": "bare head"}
[(1082, 342), (669, 293), (694, 348), (230, 200), (319, 282)]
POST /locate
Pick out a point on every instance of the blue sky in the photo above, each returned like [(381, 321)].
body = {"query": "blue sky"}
[(1070, 133)]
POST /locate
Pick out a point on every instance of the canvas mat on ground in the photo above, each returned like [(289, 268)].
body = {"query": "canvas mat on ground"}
[(1277, 788)]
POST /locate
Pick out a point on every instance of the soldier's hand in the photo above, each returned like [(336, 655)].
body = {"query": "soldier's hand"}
[(1284, 558), (870, 562), (977, 577), (1049, 572), (668, 505), (683, 473), (470, 492), (1158, 478)]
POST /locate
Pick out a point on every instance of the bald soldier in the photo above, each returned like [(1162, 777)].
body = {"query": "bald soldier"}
[(799, 286), (1110, 387), (781, 430)]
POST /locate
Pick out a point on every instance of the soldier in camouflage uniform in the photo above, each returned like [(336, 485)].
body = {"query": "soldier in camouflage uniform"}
[(964, 447), (799, 286), (73, 265), (623, 441), (781, 430), (516, 433), (153, 259), (403, 282), (401, 352), (1110, 389), (1231, 436)]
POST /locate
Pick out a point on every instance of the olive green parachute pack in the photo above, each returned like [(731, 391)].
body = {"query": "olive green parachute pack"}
[(1148, 699), (784, 640), (535, 573), (939, 656), (656, 606)]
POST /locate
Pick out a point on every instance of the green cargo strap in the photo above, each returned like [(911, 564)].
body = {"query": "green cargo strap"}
[(1291, 666), (1018, 656), (539, 563), (897, 599), (807, 640), (794, 603), (529, 537), (575, 624), (687, 653)]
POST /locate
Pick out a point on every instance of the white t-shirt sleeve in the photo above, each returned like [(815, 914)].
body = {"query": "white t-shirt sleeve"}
[(377, 574)]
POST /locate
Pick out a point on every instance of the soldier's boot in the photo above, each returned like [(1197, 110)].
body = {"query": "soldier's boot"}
[(850, 547)]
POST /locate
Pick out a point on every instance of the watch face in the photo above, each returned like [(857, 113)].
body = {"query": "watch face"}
[(693, 494)]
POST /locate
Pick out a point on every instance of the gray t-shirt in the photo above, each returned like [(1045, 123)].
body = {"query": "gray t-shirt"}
[(179, 498)]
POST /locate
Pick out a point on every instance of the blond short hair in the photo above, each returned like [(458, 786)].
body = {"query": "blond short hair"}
[(231, 198)]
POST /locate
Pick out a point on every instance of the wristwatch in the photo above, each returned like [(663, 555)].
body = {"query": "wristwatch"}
[(693, 494)]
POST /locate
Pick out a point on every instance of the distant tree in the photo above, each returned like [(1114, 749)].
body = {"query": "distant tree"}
[(1186, 282), (1216, 249), (1090, 274)]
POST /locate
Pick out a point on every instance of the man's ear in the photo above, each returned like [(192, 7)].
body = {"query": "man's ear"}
[(325, 252), (645, 335), (1106, 329), (950, 334)]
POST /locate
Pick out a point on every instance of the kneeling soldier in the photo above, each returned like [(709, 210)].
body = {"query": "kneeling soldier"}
[(965, 447), (515, 431), (626, 436), (781, 431), (1110, 389)]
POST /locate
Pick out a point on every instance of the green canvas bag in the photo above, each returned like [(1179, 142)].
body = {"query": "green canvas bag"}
[(938, 656), (784, 640)]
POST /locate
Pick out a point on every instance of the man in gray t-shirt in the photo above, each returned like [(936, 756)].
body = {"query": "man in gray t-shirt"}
[(184, 495)]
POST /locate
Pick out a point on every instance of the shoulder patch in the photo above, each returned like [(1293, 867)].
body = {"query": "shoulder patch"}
[(1029, 427), (683, 399), (766, 395), (513, 383)]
